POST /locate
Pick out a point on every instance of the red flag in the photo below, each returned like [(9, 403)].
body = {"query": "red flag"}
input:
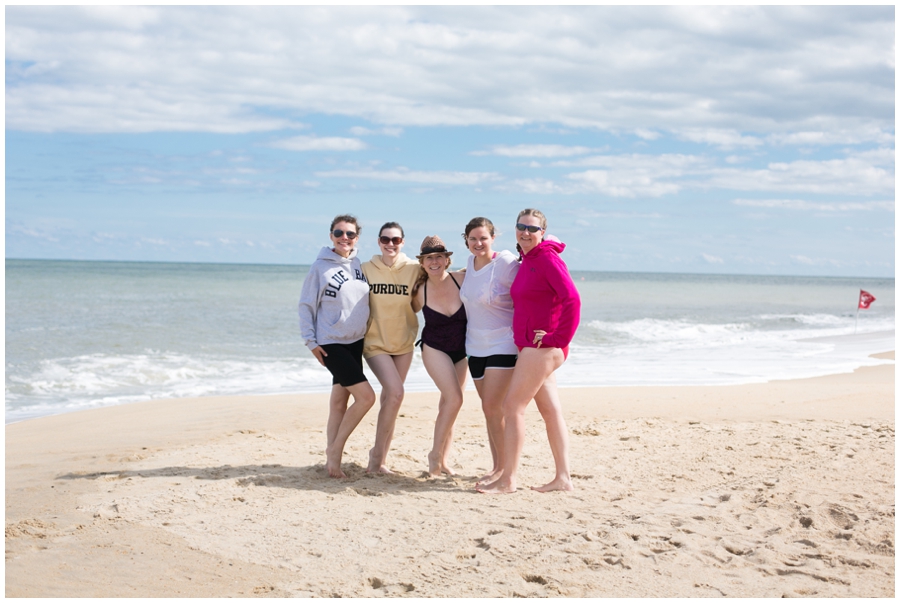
[(865, 299)]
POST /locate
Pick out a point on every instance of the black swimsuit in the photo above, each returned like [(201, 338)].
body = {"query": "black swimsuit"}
[(445, 333)]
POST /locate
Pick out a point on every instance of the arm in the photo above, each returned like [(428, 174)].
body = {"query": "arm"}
[(418, 300), (310, 297), (570, 301)]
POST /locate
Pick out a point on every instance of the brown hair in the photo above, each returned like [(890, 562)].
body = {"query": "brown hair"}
[(536, 213), (348, 219), (392, 225), (477, 223)]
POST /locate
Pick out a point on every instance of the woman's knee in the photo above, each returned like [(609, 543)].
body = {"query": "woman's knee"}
[(452, 399), (391, 397), (513, 407), (492, 408), (366, 397)]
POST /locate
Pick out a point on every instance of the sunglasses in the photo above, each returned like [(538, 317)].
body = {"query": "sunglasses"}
[(338, 233), (531, 229), (387, 240)]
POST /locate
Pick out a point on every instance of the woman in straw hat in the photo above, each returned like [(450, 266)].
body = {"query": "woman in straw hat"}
[(436, 293)]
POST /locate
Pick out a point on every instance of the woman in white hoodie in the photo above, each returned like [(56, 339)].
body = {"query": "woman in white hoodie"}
[(391, 332), (334, 312), (489, 336)]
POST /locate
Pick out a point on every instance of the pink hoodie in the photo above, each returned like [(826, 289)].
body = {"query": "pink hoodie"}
[(545, 298)]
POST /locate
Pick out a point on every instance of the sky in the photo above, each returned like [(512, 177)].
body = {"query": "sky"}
[(745, 140)]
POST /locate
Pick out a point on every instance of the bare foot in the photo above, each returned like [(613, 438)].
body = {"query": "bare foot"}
[(560, 483), (499, 486), (376, 466), (333, 463), (487, 478), (446, 469), (435, 464)]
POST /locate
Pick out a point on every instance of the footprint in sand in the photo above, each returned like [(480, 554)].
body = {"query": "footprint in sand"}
[(842, 518)]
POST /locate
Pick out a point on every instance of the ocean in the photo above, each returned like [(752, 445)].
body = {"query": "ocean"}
[(91, 334)]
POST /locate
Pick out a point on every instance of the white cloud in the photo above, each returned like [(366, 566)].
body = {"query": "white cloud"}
[(802, 259), (406, 175), (360, 131), (836, 137), (810, 205), (637, 175), (883, 157), (33, 233), (535, 150), (647, 134), (723, 139), (800, 74), (313, 143), (622, 184), (852, 176), (711, 259), (630, 175)]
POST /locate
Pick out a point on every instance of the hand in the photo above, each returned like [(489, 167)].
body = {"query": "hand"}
[(539, 337), (320, 354)]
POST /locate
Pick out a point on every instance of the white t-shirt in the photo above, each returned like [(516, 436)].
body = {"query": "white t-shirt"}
[(489, 307)]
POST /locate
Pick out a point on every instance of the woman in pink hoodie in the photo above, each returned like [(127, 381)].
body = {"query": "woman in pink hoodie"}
[(546, 311)]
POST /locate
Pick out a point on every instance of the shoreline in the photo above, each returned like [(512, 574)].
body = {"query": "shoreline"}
[(780, 488), (470, 388)]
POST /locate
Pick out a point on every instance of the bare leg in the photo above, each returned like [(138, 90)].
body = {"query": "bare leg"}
[(337, 406), (363, 400), (492, 390), (461, 373), (533, 366), (391, 372), (547, 400), (448, 378)]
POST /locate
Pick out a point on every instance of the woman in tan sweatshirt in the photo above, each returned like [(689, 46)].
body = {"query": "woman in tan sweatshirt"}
[(391, 333)]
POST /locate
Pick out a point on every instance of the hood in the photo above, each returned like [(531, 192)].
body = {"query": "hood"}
[(553, 244), (401, 261), (329, 255)]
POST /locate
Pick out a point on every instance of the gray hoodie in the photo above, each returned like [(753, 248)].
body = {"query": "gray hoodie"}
[(334, 301)]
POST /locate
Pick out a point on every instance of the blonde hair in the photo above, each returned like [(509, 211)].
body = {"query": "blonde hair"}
[(536, 213)]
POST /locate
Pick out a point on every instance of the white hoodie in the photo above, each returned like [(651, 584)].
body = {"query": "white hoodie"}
[(334, 301)]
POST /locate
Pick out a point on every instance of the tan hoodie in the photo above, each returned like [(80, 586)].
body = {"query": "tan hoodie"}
[(392, 325)]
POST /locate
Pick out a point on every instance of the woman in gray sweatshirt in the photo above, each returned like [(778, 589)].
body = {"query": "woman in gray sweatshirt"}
[(334, 310)]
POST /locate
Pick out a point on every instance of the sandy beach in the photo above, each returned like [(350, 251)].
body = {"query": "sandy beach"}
[(777, 489)]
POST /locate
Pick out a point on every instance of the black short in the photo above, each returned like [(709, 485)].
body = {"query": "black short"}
[(344, 361), (477, 364)]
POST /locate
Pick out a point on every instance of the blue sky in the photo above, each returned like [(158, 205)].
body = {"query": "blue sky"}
[(750, 140)]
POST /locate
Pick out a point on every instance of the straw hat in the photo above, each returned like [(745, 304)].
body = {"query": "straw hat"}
[(433, 245)]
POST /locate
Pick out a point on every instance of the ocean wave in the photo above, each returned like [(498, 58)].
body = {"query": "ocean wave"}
[(94, 380)]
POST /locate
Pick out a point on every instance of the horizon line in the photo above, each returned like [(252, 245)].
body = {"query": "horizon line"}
[(648, 272)]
